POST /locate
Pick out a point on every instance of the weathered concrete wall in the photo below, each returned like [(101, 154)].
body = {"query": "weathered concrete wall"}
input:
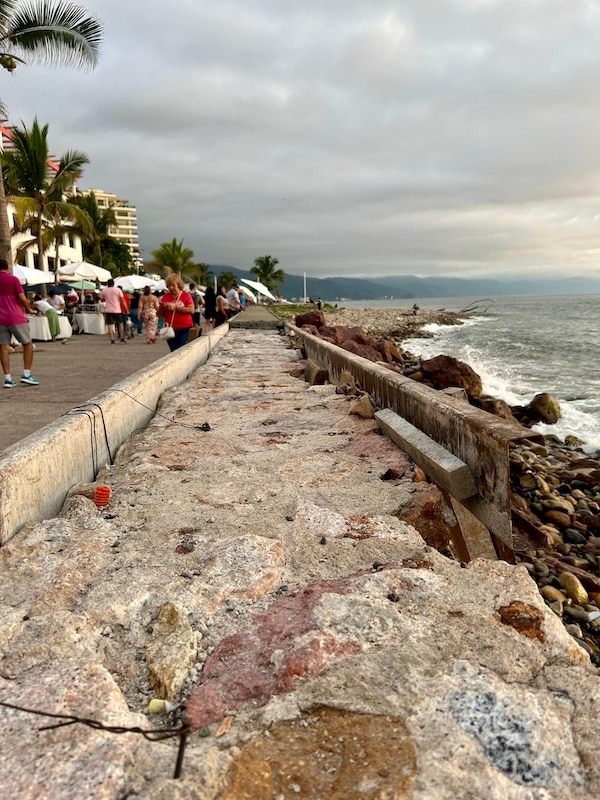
[(37, 473), (476, 437)]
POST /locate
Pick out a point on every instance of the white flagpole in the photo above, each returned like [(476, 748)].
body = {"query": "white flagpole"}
[(305, 287)]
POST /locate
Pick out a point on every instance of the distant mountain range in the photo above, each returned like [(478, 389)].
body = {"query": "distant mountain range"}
[(335, 290)]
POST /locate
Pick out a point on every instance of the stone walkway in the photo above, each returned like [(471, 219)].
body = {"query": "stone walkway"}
[(262, 573), (69, 374)]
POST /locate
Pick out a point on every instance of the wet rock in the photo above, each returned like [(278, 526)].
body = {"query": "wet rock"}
[(447, 371)]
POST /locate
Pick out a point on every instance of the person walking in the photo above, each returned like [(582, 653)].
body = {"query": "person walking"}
[(112, 296), (177, 307), (13, 322), (148, 314)]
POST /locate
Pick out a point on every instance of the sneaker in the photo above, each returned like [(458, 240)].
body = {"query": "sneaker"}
[(9, 383), (123, 341), (29, 379)]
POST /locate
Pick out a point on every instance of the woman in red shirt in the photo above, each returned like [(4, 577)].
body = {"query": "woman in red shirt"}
[(176, 308)]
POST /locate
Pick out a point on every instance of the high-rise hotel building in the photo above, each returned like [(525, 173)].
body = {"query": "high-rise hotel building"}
[(126, 229)]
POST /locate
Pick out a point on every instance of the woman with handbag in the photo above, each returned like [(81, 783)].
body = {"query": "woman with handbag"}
[(148, 314), (176, 308)]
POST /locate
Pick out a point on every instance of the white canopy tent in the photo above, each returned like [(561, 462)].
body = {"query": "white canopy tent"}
[(132, 283), (259, 287), (28, 275), (247, 293), (85, 270)]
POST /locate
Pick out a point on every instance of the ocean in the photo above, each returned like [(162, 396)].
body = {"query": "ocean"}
[(521, 346)]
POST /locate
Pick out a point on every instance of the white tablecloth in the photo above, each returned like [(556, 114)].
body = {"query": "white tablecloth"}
[(39, 329), (90, 323)]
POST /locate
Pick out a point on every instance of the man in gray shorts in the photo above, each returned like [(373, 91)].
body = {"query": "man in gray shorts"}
[(13, 322)]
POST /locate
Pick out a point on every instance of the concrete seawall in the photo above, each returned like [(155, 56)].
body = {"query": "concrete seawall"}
[(37, 472)]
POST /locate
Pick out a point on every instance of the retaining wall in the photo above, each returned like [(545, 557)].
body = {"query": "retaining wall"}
[(479, 439), (37, 472)]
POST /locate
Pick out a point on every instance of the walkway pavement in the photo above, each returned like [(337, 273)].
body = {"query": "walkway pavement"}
[(74, 371), (69, 374)]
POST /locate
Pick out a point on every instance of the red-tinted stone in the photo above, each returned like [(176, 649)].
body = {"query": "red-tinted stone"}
[(242, 667)]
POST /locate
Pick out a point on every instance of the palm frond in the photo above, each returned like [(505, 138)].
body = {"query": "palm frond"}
[(55, 33)]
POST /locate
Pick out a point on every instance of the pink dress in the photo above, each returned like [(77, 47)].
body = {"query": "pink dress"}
[(150, 320)]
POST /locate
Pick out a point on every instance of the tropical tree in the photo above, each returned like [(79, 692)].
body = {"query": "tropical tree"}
[(97, 233), (55, 33), (265, 272), (36, 188), (116, 257), (172, 257), (227, 279), (200, 274)]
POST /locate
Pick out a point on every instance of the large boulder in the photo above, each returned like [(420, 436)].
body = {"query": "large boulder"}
[(494, 405), (332, 333), (447, 371), (362, 350), (543, 408), (546, 408), (316, 318)]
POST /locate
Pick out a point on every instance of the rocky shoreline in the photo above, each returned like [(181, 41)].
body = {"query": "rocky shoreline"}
[(555, 485)]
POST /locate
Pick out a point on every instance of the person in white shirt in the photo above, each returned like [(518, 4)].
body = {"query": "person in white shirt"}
[(233, 298), (43, 307), (56, 301)]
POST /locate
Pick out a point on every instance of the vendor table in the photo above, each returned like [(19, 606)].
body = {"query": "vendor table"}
[(90, 323), (40, 330)]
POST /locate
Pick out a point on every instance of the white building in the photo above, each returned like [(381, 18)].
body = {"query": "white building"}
[(126, 229)]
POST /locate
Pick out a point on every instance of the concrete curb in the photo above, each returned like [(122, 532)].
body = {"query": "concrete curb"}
[(37, 473)]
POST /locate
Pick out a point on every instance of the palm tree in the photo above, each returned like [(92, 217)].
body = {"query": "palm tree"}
[(56, 33), (101, 219), (37, 186), (265, 272), (227, 279), (172, 257), (200, 274)]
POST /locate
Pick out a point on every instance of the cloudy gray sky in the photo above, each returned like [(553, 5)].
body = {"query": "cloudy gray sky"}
[(345, 137)]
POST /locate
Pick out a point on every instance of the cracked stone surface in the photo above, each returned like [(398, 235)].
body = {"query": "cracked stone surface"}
[(262, 577)]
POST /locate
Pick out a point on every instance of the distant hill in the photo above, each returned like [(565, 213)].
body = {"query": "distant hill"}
[(410, 286)]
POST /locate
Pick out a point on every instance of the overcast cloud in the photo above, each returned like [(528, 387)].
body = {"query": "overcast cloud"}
[(345, 137)]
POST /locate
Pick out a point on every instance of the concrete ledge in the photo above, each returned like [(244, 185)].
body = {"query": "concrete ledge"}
[(477, 438), (448, 471), (37, 473), (256, 317)]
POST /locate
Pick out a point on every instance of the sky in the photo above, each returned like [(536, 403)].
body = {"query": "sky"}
[(357, 138)]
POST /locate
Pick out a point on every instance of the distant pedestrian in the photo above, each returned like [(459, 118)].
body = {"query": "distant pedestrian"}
[(112, 296), (13, 322), (222, 307), (210, 307), (133, 311), (148, 314), (198, 303), (233, 298)]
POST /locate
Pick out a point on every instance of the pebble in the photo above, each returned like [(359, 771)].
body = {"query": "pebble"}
[(574, 588), (552, 593)]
